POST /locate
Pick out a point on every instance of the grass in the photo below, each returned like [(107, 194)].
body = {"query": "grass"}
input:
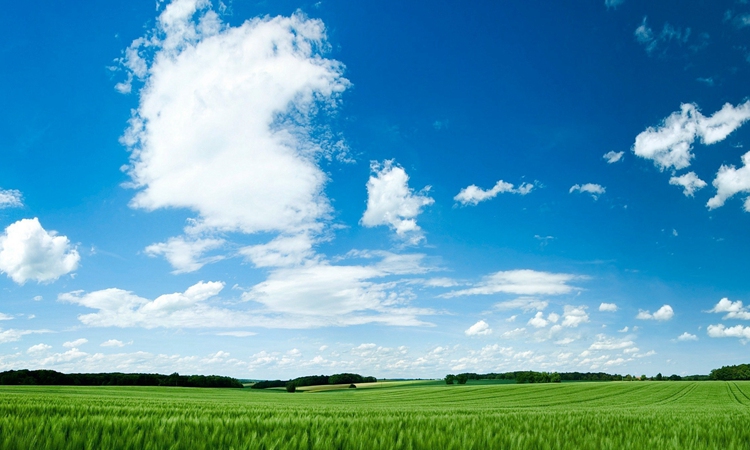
[(403, 415)]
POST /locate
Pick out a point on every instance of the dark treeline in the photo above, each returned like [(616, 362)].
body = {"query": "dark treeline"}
[(316, 380), (528, 376), (740, 372), (50, 378)]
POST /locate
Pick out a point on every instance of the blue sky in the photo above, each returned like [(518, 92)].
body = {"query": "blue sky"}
[(276, 189)]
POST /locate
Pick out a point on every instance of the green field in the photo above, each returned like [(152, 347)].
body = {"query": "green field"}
[(419, 415)]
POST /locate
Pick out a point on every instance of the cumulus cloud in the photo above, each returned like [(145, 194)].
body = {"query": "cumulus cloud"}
[(609, 307), (238, 334), (574, 316), (227, 126), (605, 343), (336, 293), (733, 310), (613, 3), (520, 282), (523, 303), (29, 252), (671, 144), (390, 201), (112, 343), (38, 348), (738, 331), (480, 328), (613, 157), (313, 295), (687, 337), (10, 198), (730, 181), (689, 182), (590, 188), (13, 335), (76, 343), (512, 334), (662, 314), (538, 321), (185, 254), (120, 308), (473, 194), (281, 252), (5, 317)]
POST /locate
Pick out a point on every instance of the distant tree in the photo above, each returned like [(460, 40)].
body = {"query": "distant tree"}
[(291, 387), (462, 378), (554, 377), (450, 379), (643, 378), (352, 386), (659, 377)]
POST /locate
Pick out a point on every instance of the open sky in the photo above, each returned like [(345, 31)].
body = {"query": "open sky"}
[(400, 189)]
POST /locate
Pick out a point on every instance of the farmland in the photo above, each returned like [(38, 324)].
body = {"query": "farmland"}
[(384, 415)]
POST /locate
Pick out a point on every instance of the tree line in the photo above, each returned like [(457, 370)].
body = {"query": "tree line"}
[(315, 380), (530, 376), (51, 377), (738, 372)]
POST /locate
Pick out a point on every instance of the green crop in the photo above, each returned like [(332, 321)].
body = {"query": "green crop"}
[(648, 415)]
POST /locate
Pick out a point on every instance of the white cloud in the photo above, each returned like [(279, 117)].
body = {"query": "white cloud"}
[(734, 310), (5, 317), (226, 124), (76, 343), (574, 316), (520, 282), (13, 335), (38, 298), (112, 343), (538, 320), (623, 330), (313, 295), (613, 157), (480, 328), (185, 254), (689, 182), (687, 337), (341, 294), (738, 331), (605, 343), (439, 282), (669, 35), (594, 189), (473, 194), (390, 201), (670, 145), (120, 308), (280, 252), (662, 314), (38, 348), (730, 181), (514, 333), (523, 303), (29, 252), (613, 3), (10, 198), (609, 307), (239, 334)]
